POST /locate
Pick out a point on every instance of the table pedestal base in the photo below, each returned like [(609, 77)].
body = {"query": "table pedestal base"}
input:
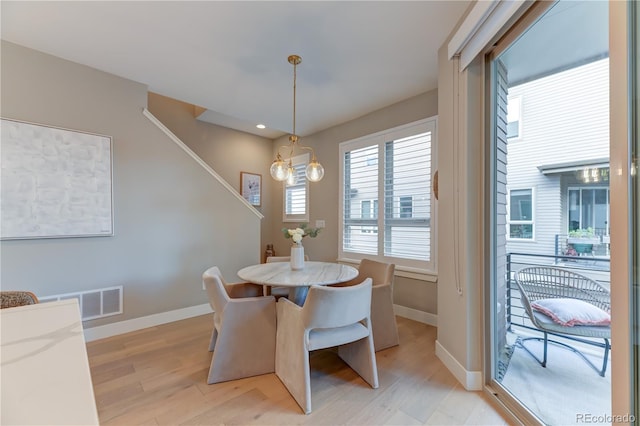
[(298, 295)]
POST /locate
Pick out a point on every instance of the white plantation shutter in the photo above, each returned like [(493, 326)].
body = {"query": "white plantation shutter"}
[(407, 192), (386, 196), (360, 195), (296, 196)]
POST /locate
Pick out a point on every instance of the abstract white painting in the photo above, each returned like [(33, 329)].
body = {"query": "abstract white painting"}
[(54, 182)]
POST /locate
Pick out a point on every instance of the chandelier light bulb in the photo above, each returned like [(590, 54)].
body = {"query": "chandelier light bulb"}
[(292, 179), (279, 170), (314, 171)]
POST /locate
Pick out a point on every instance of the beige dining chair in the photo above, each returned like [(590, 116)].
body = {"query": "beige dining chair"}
[(279, 292), (331, 316), (244, 329), (383, 319)]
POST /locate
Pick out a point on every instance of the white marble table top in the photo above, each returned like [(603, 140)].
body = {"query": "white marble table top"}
[(45, 369), (314, 273)]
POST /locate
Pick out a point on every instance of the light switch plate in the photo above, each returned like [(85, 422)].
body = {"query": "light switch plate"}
[(320, 223)]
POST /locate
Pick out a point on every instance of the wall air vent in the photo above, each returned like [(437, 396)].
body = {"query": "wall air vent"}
[(99, 303)]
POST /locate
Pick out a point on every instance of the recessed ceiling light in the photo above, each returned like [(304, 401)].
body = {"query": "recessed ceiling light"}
[(261, 126)]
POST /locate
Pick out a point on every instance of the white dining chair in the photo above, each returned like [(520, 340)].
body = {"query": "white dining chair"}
[(331, 316), (244, 329)]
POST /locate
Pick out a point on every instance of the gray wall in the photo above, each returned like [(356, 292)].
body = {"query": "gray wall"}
[(461, 220), (227, 151), (411, 293), (156, 186), (172, 219)]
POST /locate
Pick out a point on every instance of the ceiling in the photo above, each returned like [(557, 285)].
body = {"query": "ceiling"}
[(583, 28), (230, 57)]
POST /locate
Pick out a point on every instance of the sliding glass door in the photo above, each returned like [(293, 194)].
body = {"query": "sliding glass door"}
[(561, 166)]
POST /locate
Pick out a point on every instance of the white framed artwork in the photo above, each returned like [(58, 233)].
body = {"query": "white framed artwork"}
[(251, 188), (56, 182)]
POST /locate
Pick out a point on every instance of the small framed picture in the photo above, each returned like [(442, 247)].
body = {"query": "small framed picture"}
[(251, 187)]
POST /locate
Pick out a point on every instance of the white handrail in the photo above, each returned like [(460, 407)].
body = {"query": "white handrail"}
[(200, 161)]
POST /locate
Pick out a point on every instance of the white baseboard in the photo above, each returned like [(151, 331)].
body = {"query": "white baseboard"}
[(113, 329), (471, 380), (416, 315)]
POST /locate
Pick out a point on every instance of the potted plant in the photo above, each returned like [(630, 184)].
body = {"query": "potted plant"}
[(583, 240)]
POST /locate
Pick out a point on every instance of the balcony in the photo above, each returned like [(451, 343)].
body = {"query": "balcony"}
[(567, 390)]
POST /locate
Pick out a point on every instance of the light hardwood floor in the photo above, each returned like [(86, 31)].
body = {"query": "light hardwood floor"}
[(158, 376)]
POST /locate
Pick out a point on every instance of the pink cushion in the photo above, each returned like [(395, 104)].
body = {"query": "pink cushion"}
[(570, 312)]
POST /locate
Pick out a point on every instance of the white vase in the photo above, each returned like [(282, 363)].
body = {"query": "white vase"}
[(297, 257)]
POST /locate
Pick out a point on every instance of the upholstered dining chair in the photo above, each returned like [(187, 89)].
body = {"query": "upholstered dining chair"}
[(244, 329), (383, 319), (279, 292), (331, 316), (12, 299)]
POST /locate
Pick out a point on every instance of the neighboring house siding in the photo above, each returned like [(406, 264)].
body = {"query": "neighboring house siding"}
[(501, 212), (565, 118)]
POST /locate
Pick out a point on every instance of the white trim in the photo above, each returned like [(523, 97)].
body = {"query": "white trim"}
[(470, 26), (401, 271), (421, 276), (378, 139), (480, 26), (200, 161), (113, 329), (471, 380), (531, 222), (416, 315), (510, 100)]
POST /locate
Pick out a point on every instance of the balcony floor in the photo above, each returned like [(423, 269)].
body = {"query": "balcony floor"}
[(567, 392)]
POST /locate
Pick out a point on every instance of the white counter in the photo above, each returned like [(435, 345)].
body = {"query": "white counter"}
[(45, 377)]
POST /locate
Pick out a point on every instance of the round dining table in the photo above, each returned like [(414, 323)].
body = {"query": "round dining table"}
[(280, 274)]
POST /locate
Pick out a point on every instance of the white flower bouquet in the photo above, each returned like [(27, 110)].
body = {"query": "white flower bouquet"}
[(297, 234)]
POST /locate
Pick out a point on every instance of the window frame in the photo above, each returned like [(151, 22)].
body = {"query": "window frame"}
[(531, 222), (510, 99), (581, 188), (298, 160), (419, 269)]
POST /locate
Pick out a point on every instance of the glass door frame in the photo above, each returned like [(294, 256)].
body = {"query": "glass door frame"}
[(634, 18), (620, 58), (492, 386)]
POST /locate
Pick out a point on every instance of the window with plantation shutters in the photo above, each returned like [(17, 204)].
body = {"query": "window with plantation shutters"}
[(296, 194), (386, 203)]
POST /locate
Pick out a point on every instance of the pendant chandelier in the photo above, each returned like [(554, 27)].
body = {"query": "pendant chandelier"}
[(282, 169)]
